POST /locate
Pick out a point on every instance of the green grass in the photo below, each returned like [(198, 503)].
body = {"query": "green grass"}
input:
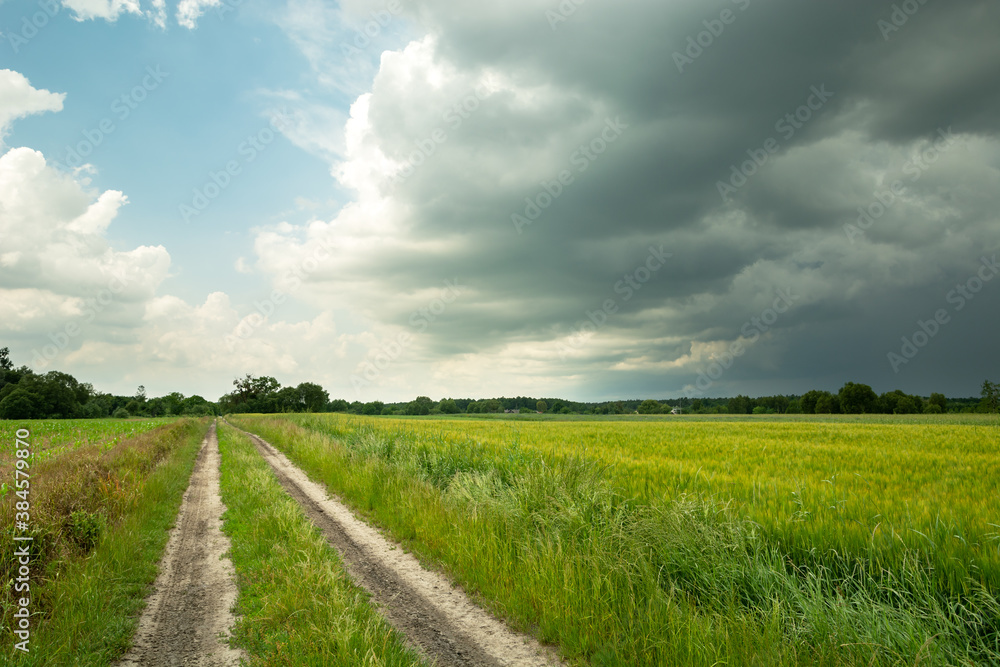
[(949, 418), (296, 604), (554, 545), (87, 594)]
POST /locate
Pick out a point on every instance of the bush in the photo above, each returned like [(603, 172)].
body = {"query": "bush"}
[(84, 529), (121, 413)]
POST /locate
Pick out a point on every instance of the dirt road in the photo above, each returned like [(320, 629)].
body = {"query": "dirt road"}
[(437, 618), (188, 618)]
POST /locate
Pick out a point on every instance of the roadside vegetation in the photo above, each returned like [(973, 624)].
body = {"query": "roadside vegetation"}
[(296, 605), (670, 566), (99, 515)]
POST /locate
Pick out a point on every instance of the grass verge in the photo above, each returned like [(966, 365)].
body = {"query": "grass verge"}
[(296, 605), (100, 520), (552, 546)]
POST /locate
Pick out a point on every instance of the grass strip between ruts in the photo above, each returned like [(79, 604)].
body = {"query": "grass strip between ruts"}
[(296, 604)]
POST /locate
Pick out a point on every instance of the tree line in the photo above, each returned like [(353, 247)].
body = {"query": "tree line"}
[(852, 398), (25, 394)]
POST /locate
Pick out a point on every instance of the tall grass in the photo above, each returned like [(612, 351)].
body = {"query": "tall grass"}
[(873, 491), (99, 517), (296, 604), (555, 544), (52, 437)]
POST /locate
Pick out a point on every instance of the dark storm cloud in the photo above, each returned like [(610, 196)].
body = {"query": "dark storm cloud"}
[(750, 158)]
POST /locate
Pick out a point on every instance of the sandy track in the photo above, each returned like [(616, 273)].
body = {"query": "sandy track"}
[(438, 619), (188, 617)]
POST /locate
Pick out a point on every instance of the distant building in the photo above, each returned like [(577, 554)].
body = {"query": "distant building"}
[(515, 411), (676, 411)]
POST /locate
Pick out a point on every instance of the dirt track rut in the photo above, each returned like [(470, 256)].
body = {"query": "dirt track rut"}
[(188, 617), (437, 618)]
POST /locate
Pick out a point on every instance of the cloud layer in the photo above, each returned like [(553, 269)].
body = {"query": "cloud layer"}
[(593, 200), (768, 148)]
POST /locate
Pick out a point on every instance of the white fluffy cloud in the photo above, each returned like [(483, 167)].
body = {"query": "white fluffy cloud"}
[(55, 256), (108, 10), (19, 99), (189, 11)]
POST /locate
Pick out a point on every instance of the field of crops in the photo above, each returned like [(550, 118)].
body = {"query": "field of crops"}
[(874, 489), (654, 542), (50, 437)]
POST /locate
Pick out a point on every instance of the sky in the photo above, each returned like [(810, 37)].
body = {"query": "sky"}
[(580, 198)]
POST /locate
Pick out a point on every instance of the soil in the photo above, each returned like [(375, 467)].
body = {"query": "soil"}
[(437, 618), (189, 615)]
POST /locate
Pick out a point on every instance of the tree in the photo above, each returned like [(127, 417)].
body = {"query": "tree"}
[(21, 404), (339, 405), (5, 362), (827, 404), (313, 397), (740, 405), (448, 406), (421, 405), (492, 405), (288, 399), (196, 406), (808, 401), (541, 406), (650, 407), (857, 399), (991, 395), (939, 400), (899, 403), (172, 403), (251, 389), (373, 408)]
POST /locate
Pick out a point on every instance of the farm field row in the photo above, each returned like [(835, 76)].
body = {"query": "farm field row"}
[(691, 542), (98, 517), (871, 489), (51, 437)]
